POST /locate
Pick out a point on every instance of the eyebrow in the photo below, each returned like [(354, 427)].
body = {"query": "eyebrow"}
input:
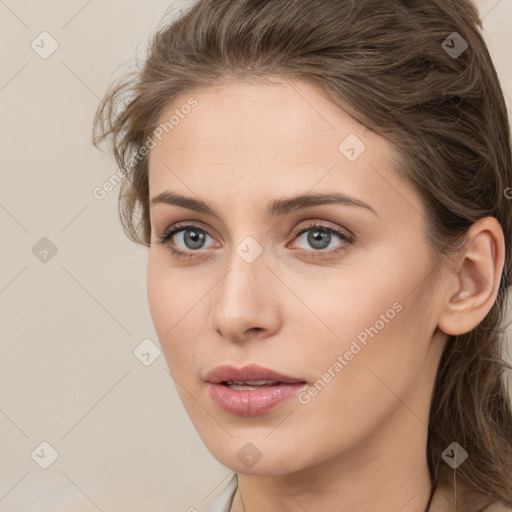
[(275, 208)]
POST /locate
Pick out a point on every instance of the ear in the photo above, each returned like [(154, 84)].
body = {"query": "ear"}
[(476, 278)]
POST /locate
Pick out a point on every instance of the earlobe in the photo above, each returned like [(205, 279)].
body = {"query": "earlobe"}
[(478, 274)]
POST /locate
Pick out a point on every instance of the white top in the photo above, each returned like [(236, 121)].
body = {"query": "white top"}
[(224, 501)]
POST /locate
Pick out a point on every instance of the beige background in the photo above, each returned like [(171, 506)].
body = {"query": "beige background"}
[(70, 325)]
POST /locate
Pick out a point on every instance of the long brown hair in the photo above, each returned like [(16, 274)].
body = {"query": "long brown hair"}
[(417, 72)]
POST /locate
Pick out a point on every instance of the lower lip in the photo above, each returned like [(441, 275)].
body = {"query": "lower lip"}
[(251, 402)]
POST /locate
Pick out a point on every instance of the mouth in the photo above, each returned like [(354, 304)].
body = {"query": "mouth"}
[(250, 385), (251, 375), (251, 390)]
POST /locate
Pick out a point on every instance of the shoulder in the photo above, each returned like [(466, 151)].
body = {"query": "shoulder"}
[(470, 501)]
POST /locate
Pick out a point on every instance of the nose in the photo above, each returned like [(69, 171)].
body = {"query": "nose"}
[(247, 304)]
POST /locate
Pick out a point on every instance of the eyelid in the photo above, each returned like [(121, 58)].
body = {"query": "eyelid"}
[(320, 224)]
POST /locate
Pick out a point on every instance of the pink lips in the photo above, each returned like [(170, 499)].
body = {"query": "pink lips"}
[(252, 402)]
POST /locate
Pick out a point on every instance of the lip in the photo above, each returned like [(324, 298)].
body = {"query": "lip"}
[(227, 372), (250, 402)]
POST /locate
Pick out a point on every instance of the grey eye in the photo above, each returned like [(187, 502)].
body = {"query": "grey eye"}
[(192, 239), (317, 238)]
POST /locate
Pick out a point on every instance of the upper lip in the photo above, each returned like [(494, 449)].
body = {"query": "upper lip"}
[(251, 372)]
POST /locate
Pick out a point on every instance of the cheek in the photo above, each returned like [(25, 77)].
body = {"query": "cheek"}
[(357, 385), (379, 320), (172, 294), (378, 353), (174, 307), (160, 301), (342, 309)]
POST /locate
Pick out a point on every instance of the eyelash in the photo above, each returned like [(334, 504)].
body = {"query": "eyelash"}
[(170, 232)]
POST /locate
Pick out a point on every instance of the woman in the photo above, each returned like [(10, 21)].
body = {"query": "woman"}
[(324, 188)]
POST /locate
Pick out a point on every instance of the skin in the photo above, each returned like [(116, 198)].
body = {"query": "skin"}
[(360, 443)]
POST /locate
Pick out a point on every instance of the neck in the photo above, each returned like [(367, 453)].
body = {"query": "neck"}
[(377, 476)]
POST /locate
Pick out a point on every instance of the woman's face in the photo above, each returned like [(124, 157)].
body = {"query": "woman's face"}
[(335, 295)]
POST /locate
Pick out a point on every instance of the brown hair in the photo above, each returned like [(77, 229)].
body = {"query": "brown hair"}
[(394, 67)]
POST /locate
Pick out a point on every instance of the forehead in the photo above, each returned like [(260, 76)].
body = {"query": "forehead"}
[(255, 139), (262, 119)]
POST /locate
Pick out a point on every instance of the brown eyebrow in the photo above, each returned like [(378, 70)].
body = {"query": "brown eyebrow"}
[(275, 208)]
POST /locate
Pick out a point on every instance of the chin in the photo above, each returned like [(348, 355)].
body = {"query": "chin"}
[(257, 457)]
